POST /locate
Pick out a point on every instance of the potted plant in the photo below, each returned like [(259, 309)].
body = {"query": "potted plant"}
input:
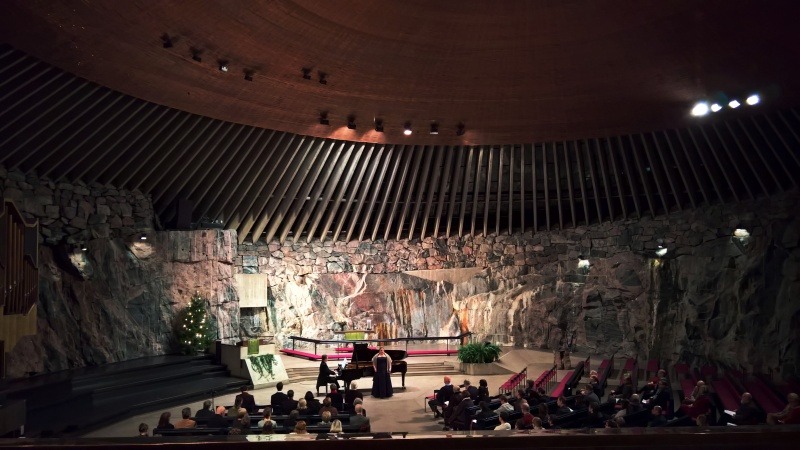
[(477, 357)]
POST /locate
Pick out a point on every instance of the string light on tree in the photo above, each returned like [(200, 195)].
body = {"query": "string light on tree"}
[(194, 333)]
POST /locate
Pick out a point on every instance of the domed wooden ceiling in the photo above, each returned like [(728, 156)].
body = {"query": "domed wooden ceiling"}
[(511, 71), (574, 112)]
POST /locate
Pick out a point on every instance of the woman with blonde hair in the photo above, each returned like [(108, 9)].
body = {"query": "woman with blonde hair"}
[(336, 426)]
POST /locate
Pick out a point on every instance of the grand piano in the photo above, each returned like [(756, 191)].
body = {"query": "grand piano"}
[(361, 364)]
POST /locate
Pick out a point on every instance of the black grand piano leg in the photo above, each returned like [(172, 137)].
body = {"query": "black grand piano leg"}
[(403, 378)]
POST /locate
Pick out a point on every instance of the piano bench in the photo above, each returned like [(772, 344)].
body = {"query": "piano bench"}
[(320, 385)]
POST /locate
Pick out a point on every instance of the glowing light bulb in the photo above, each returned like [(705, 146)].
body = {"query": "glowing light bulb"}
[(700, 109), (753, 100)]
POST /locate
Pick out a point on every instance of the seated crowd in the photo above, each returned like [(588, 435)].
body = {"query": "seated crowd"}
[(284, 414)]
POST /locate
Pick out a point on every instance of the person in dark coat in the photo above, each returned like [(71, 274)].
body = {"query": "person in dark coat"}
[(326, 375), (312, 403), (278, 398), (442, 396), (248, 401), (290, 403)]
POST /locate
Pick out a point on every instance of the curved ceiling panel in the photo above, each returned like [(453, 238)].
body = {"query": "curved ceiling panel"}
[(270, 184), (511, 71)]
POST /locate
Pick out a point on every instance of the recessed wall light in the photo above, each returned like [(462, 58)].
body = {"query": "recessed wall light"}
[(351, 122), (223, 66), (407, 129), (753, 100), (379, 125), (715, 107), (700, 109), (434, 128), (734, 104)]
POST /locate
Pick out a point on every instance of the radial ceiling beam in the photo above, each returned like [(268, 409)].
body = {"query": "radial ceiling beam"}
[(354, 153), (678, 168), (464, 190), (706, 166), (447, 169), (358, 167), (418, 151), (361, 196), (653, 167), (375, 192), (644, 183), (339, 161), (430, 185)]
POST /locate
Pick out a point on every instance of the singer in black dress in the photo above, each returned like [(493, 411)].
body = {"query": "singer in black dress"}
[(382, 380)]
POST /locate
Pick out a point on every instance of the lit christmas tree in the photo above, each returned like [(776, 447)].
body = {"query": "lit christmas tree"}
[(193, 329)]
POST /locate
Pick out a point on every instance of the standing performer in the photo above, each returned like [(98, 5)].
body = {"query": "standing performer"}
[(382, 380)]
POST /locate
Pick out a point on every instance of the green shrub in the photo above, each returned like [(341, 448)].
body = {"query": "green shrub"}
[(479, 353)]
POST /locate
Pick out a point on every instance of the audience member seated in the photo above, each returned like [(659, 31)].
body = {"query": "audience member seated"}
[(302, 407), (504, 425), (695, 392), (615, 422), (701, 420), (701, 405), (268, 428), (484, 412), (143, 430), (352, 394), (267, 418), (312, 403), (625, 390), (594, 418), (747, 413), (561, 406), (247, 400), (163, 421), (504, 405), (483, 391), (337, 400), (663, 396), (789, 414), (241, 425), (233, 411), (649, 389), (660, 375), (358, 401), (594, 382), (218, 419), (519, 398), (470, 390), (290, 403), (460, 418), (336, 426), (278, 398), (544, 414), (325, 418), (292, 419), (449, 408), (300, 428), (588, 396), (186, 421), (328, 406), (442, 397), (537, 424), (205, 412), (635, 404), (358, 419), (657, 419), (526, 421)]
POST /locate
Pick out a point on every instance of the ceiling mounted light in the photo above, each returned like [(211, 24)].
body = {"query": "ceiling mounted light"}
[(306, 73), (223, 66), (460, 129), (323, 118), (143, 236), (700, 109), (248, 74), (407, 129), (434, 128), (661, 252), (715, 107), (84, 247), (379, 125), (351, 122), (741, 233), (323, 78), (196, 52), (753, 100), (167, 41), (734, 104)]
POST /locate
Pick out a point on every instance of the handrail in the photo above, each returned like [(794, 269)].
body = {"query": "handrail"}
[(382, 341)]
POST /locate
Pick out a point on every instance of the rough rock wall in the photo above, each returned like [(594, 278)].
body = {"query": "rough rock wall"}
[(117, 299), (712, 296)]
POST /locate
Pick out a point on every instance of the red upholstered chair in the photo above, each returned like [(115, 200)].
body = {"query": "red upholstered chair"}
[(700, 406), (793, 418)]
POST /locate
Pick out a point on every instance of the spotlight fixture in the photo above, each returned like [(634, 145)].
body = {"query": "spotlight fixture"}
[(753, 100), (306, 73), (715, 107), (323, 118), (248, 74), (351, 122), (407, 129), (196, 52), (143, 237), (323, 78), (434, 128), (700, 109), (460, 129), (379, 125), (84, 247), (166, 40), (223, 65), (661, 252), (733, 104)]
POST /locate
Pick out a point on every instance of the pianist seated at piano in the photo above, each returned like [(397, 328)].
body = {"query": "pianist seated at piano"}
[(326, 375), (382, 378)]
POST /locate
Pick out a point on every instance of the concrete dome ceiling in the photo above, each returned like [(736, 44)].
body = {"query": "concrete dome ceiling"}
[(511, 71), (575, 112)]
